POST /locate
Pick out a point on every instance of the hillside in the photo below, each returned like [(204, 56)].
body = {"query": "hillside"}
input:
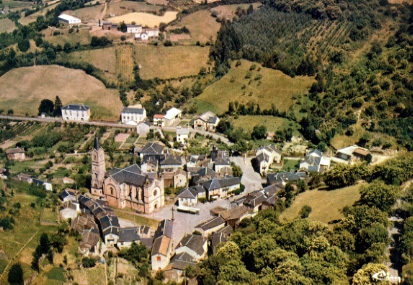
[(24, 88)]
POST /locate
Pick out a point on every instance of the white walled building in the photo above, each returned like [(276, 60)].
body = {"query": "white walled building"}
[(75, 112), (133, 115), (69, 19)]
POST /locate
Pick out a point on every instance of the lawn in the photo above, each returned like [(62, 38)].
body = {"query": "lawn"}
[(326, 205), (138, 220), (200, 31), (145, 19), (264, 87), (6, 25), (270, 122), (56, 273), (170, 62), (24, 88), (290, 164)]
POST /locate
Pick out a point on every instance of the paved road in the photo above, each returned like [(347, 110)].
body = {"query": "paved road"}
[(251, 179)]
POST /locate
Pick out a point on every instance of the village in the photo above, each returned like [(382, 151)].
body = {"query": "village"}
[(210, 203)]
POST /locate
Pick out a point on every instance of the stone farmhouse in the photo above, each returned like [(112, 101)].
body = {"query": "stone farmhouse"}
[(265, 157), (162, 248), (75, 112), (126, 188), (133, 115), (315, 161), (208, 121), (15, 154)]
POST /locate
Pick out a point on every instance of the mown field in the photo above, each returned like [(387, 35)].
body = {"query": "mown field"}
[(261, 86), (6, 25), (124, 7), (170, 62), (271, 123), (83, 36), (326, 205), (24, 88), (145, 19)]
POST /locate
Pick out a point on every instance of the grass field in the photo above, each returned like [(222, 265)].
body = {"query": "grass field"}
[(88, 14), (6, 25), (93, 275), (32, 18), (326, 205), (200, 31), (170, 62), (290, 164), (264, 87), (145, 19), (124, 7), (271, 123), (228, 11), (124, 64), (83, 37), (24, 88)]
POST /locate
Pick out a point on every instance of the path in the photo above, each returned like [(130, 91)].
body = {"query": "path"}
[(11, 260)]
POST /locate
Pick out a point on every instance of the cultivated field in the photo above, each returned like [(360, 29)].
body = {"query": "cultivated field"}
[(88, 14), (6, 25), (124, 64), (24, 88), (124, 7), (158, 2), (170, 62), (145, 19), (326, 205), (201, 31), (264, 87), (271, 123), (228, 11)]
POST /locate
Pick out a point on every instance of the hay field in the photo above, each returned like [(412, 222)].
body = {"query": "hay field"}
[(83, 37), (271, 123), (274, 87), (201, 31), (87, 14), (170, 62), (6, 25), (158, 2), (326, 205), (145, 19), (124, 7), (124, 64), (24, 88)]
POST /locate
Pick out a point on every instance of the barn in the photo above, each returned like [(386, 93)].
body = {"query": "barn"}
[(69, 19)]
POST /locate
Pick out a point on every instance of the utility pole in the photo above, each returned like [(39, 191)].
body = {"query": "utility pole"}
[(173, 210)]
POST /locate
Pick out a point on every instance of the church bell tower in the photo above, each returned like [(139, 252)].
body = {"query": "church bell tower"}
[(98, 168)]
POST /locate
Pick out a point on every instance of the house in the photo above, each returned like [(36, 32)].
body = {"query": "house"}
[(315, 161), (283, 177), (179, 263), (142, 129), (235, 215), (209, 226), (83, 222), (182, 135), (69, 19), (254, 200), (150, 163), (131, 29), (198, 160), (109, 26), (109, 228), (15, 154), (219, 188), (152, 149), (68, 195), (133, 115), (218, 154), (89, 242), (162, 249), (220, 236), (352, 154), (265, 157), (147, 34), (201, 175), (127, 236), (188, 197), (24, 177), (222, 165), (75, 112), (194, 245), (208, 121), (46, 185), (180, 178), (171, 162), (172, 116), (158, 120)]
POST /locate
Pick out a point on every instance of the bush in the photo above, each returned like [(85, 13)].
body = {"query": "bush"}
[(88, 262), (305, 211)]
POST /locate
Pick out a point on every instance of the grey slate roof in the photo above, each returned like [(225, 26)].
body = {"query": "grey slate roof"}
[(172, 160), (109, 224), (284, 176), (182, 260), (263, 157), (152, 148), (194, 242), (130, 175), (77, 107), (211, 223), (133, 110), (220, 236), (14, 150), (129, 234), (164, 228), (187, 193), (222, 161), (65, 193)]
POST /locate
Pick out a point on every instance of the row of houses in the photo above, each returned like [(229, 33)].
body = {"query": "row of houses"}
[(140, 33)]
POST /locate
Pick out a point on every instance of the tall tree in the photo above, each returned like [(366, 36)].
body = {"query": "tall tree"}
[(15, 276), (57, 107), (46, 107)]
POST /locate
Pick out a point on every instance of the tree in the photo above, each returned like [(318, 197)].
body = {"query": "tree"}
[(10, 112), (379, 194), (23, 45), (364, 275), (57, 111), (259, 132), (88, 262), (305, 211), (15, 276), (46, 107)]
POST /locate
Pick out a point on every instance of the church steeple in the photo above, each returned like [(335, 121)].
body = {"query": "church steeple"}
[(96, 146), (98, 168)]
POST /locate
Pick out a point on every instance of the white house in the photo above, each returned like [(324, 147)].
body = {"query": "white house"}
[(158, 120), (133, 115), (147, 34), (208, 121), (315, 161), (132, 29), (266, 156), (143, 128), (182, 135), (69, 19), (75, 112), (194, 245), (188, 197), (171, 116), (127, 236)]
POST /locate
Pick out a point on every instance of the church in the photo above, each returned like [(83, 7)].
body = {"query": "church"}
[(129, 187)]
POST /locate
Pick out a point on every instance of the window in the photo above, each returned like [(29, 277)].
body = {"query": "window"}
[(155, 193), (158, 258)]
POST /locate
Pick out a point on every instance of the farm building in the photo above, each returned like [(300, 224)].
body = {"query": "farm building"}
[(16, 154), (69, 19), (132, 29), (147, 34), (109, 26), (171, 116), (75, 112)]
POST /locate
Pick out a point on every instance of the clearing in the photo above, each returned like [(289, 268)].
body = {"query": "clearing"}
[(145, 19), (170, 62), (23, 89), (6, 25), (325, 205), (261, 86)]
